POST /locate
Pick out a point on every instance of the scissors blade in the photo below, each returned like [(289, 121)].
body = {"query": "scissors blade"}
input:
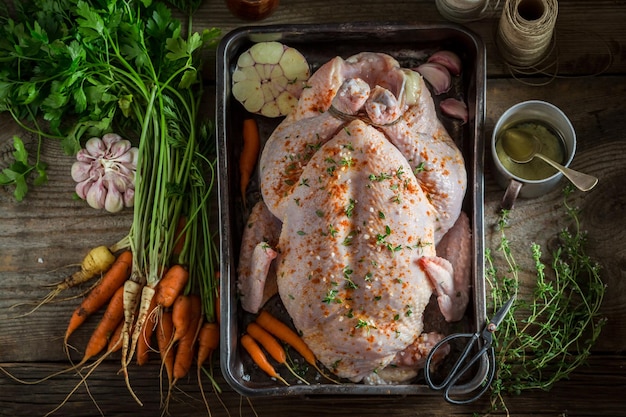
[(502, 312)]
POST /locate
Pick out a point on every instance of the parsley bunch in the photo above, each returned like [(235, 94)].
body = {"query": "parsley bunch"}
[(72, 69), (550, 331)]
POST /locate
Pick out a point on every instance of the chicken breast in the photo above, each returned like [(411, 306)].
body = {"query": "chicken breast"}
[(348, 272)]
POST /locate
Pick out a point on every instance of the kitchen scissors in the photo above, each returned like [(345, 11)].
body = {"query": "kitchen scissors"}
[(486, 355)]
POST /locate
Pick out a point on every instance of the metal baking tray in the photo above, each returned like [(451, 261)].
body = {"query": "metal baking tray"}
[(410, 44)]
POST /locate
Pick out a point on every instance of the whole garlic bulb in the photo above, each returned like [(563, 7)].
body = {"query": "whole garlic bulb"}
[(105, 172)]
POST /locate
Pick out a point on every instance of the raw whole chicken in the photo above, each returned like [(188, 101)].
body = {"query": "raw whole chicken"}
[(360, 184)]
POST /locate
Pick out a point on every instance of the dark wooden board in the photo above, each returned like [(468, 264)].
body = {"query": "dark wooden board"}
[(41, 237)]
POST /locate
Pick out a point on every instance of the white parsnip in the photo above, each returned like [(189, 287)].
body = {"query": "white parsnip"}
[(269, 78)]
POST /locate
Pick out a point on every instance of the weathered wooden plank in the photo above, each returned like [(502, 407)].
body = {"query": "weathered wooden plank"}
[(597, 387), (589, 36)]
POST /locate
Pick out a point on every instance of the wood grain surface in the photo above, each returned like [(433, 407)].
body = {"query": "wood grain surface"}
[(43, 237)]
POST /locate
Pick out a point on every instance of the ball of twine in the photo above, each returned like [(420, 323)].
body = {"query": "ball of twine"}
[(462, 10), (526, 30)]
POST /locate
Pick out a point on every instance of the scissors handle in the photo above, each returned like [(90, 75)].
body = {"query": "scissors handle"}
[(462, 365)]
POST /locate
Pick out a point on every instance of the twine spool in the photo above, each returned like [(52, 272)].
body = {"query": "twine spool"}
[(462, 10), (525, 31)]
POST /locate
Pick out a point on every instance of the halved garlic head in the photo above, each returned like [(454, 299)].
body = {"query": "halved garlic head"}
[(269, 78)]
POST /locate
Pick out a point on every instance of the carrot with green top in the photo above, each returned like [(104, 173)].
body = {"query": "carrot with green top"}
[(172, 285)]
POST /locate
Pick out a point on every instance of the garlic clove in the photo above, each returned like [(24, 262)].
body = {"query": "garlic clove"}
[(113, 201), (80, 171), (96, 194), (437, 76), (134, 153), (119, 148), (455, 108), (95, 147), (83, 155), (83, 187), (111, 138), (448, 59), (129, 197)]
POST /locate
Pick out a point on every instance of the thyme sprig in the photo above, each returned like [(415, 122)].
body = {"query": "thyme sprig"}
[(549, 332)]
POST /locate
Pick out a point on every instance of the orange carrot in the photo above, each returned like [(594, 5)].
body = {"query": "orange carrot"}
[(110, 283), (143, 343), (164, 333), (181, 310), (259, 357), (115, 342), (184, 352), (171, 285), (268, 342), (112, 317), (284, 333), (271, 345), (249, 154), (208, 341)]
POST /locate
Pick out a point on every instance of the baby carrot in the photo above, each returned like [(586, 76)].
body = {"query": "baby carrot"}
[(181, 311), (272, 346), (111, 319), (284, 333), (259, 357), (249, 154), (171, 285), (147, 330), (208, 341), (266, 340), (164, 332), (115, 342), (111, 281), (185, 349)]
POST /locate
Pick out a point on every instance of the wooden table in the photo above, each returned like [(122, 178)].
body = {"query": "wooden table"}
[(41, 236)]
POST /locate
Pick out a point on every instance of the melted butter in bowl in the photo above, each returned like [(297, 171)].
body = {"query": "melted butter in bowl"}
[(552, 146)]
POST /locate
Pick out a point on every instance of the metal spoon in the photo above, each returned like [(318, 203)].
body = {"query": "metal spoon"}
[(522, 147)]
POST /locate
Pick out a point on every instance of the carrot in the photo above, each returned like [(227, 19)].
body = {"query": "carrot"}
[(115, 342), (164, 333), (271, 345), (208, 341), (111, 281), (181, 310), (266, 340), (145, 302), (259, 357), (184, 352), (111, 319), (147, 330), (171, 285), (249, 154), (284, 333)]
